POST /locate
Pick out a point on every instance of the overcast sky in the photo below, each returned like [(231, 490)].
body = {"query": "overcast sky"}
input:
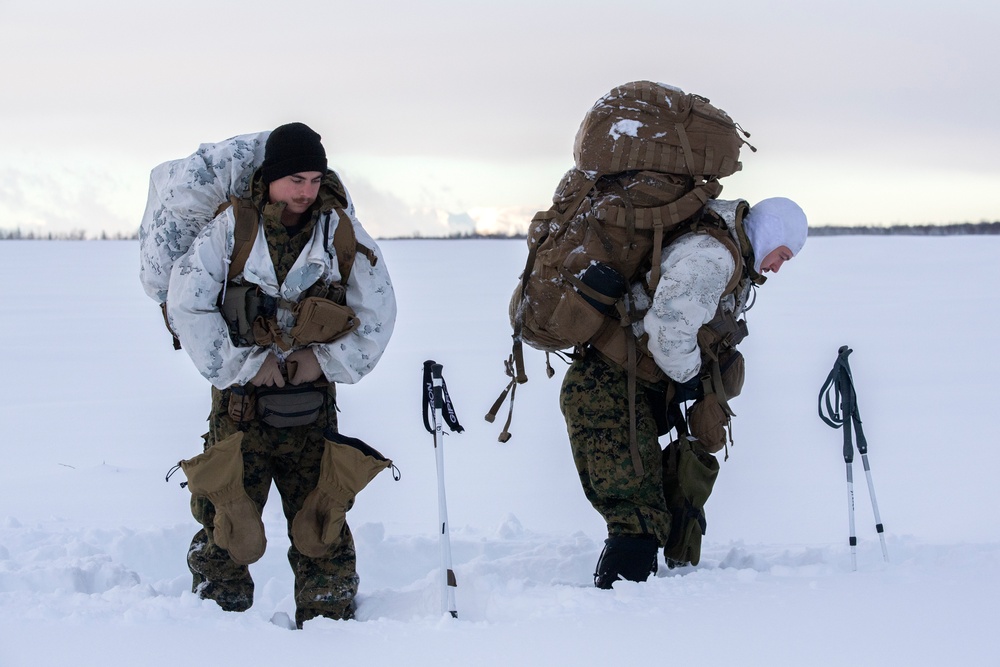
[(440, 113)]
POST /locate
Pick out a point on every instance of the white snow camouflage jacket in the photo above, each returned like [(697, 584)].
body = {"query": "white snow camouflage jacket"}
[(185, 191), (695, 270)]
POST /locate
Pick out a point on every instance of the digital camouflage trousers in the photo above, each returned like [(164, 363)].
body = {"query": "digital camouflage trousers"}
[(290, 458), (594, 401)]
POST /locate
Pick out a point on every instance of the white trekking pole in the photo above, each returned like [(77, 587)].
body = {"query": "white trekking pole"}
[(842, 411), (438, 403)]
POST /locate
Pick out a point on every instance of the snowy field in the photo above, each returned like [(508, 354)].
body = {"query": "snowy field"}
[(96, 407)]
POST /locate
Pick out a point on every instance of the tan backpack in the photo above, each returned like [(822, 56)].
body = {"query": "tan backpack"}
[(644, 125), (648, 158)]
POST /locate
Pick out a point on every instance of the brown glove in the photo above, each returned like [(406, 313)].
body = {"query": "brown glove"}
[(303, 366), (269, 374), (348, 465), (217, 474)]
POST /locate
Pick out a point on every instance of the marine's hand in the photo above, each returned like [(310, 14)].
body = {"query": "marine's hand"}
[(269, 374), (303, 366)]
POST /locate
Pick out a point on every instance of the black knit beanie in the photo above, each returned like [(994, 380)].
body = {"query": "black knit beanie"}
[(290, 149)]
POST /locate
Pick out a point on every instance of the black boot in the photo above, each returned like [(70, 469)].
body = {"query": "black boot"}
[(626, 557)]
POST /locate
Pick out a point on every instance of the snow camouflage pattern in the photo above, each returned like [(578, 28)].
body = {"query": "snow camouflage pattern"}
[(198, 279), (695, 270), (593, 393), (184, 195), (290, 457)]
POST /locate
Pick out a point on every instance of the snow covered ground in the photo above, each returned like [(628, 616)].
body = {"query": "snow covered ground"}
[(96, 407)]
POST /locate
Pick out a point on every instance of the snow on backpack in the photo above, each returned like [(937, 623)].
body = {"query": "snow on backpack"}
[(647, 159)]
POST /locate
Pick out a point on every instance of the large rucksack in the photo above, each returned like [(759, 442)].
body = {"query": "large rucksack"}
[(184, 196), (647, 159), (188, 193)]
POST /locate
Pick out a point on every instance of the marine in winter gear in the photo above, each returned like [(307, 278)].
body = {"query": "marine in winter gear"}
[(242, 298), (697, 269)]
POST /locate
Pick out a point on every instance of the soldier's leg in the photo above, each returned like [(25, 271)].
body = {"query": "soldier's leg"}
[(324, 586), (215, 575), (594, 402)]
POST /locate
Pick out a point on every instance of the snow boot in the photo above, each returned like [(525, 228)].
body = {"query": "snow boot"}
[(626, 557), (216, 577)]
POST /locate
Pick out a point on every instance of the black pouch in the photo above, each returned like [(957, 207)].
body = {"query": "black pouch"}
[(291, 405), (605, 281)]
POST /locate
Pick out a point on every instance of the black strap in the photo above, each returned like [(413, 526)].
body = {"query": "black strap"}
[(841, 403), (432, 400)]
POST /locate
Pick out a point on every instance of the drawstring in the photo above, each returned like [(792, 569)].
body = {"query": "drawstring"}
[(171, 472)]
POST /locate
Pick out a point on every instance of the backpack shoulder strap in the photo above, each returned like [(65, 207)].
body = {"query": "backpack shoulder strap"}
[(749, 258), (725, 239), (345, 244), (244, 233)]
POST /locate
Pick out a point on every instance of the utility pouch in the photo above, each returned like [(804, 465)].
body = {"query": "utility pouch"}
[(239, 309), (319, 320), (688, 478), (707, 421), (291, 405), (574, 319), (732, 367), (241, 404)]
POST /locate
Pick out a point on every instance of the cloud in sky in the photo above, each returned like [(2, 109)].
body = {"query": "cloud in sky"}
[(863, 112)]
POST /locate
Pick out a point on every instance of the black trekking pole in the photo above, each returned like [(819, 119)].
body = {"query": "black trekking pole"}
[(842, 411), (437, 402)]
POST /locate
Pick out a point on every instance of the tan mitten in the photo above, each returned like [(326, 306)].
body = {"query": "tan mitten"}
[(217, 474), (348, 465), (689, 475)]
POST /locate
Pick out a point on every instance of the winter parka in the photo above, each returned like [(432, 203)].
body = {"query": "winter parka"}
[(695, 270), (199, 277)]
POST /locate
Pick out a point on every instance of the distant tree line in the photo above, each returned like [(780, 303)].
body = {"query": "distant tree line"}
[(965, 228), (454, 235), (72, 235)]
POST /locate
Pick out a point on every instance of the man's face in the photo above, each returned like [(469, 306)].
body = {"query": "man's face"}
[(297, 191), (772, 263)]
